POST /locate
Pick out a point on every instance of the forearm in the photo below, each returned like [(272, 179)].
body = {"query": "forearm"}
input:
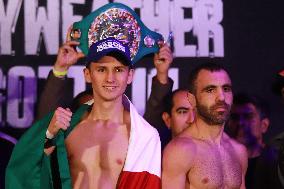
[(154, 105), (57, 92)]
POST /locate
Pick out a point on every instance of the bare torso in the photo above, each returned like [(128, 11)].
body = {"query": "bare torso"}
[(96, 153), (192, 162), (215, 166)]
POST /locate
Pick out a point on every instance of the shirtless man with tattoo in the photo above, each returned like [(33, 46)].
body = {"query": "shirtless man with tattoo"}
[(203, 156)]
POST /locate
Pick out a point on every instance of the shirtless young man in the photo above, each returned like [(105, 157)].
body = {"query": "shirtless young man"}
[(203, 156), (107, 144), (97, 147)]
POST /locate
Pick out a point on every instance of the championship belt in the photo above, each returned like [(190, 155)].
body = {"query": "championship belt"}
[(121, 22)]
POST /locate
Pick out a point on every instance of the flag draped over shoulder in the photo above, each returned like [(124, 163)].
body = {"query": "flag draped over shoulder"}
[(142, 167), (29, 167)]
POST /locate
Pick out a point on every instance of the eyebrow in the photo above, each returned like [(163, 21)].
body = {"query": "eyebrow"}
[(103, 66), (214, 86), (120, 67), (208, 87), (227, 85), (182, 108)]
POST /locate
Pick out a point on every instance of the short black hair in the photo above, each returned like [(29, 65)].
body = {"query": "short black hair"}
[(168, 101), (194, 73), (260, 104)]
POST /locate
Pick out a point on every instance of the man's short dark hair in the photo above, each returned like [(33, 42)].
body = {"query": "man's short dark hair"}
[(260, 104), (168, 101), (212, 67)]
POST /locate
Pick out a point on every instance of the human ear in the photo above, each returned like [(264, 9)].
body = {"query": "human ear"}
[(87, 75), (167, 119), (130, 76), (264, 125)]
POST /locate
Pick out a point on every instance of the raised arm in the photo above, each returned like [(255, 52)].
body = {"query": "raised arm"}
[(161, 86), (58, 88)]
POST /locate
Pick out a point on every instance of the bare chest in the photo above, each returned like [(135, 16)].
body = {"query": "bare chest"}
[(216, 168), (97, 150)]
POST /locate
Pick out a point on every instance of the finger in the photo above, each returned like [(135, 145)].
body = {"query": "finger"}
[(80, 55), (65, 114), (165, 49), (165, 54), (60, 125), (60, 110), (63, 127), (70, 46), (66, 49), (68, 35), (165, 46), (161, 44), (64, 118), (72, 43), (166, 57), (156, 56), (64, 122)]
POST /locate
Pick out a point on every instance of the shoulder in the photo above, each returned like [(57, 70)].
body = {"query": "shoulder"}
[(238, 147), (240, 151), (181, 151), (182, 143)]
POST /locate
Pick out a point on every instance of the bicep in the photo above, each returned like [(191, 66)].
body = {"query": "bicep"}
[(173, 178), (176, 164)]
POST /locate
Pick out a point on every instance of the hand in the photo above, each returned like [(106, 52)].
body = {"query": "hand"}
[(162, 61), (60, 120), (67, 54)]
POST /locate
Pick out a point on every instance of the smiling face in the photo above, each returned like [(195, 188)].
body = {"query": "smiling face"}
[(213, 92), (109, 78)]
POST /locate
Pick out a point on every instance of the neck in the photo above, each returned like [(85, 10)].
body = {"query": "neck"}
[(212, 133), (107, 110)]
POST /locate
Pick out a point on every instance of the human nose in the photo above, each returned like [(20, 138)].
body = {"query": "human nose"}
[(190, 116), (241, 121), (243, 124), (110, 77), (220, 95)]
